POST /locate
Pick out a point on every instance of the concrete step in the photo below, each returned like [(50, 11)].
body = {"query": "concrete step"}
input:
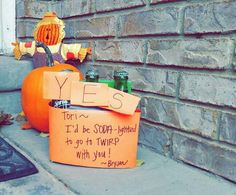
[(10, 101), (12, 73), (40, 183), (159, 175)]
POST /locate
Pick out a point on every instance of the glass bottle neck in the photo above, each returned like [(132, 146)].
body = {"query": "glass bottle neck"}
[(121, 84)]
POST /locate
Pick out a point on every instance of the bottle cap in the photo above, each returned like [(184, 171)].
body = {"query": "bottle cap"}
[(121, 74), (91, 74)]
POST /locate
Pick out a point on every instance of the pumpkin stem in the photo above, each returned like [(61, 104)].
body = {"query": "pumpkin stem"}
[(49, 58)]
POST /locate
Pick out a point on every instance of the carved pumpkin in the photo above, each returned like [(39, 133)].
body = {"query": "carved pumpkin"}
[(50, 30), (33, 104), (48, 34)]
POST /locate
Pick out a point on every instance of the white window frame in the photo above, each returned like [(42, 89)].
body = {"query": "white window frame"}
[(7, 25)]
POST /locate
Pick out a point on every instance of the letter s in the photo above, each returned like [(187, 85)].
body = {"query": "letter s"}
[(115, 97)]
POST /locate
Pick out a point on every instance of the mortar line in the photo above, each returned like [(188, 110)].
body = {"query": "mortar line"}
[(178, 86), (174, 36), (208, 72), (218, 127), (145, 53), (232, 54), (173, 100)]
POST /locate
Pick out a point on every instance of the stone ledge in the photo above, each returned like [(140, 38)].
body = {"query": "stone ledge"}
[(10, 101), (12, 72)]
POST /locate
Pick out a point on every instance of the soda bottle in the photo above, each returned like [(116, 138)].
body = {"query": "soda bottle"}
[(92, 76), (121, 80)]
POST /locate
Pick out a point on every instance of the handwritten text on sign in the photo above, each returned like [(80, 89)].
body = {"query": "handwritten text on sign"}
[(64, 86), (95, 138), (57, 85)]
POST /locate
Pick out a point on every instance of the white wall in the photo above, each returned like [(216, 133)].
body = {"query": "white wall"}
[(7, 25)]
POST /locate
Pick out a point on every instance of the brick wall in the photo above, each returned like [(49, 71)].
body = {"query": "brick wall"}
[(180, 56)]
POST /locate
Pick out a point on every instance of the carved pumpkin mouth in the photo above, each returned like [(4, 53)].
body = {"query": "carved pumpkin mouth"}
[(47, 37)]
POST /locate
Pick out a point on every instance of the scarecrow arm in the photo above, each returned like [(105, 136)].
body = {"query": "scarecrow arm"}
[(83, 52), (22, 48), (74, 51)]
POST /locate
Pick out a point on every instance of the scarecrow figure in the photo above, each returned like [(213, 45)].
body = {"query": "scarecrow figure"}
[(50, 31)]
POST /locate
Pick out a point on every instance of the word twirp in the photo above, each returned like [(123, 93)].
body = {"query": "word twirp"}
[(66, 86)]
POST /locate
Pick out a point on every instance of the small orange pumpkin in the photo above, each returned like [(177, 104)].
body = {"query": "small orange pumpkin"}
[(33, 104)]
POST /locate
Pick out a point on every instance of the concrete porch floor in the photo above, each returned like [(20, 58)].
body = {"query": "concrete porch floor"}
[(158, 176)]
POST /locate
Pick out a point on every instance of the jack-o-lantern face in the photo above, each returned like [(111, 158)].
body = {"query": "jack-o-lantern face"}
[(50, 30), (48, 34)]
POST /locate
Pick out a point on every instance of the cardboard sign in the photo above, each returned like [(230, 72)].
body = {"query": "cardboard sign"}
[(122, 102), (89, 94), (94, 138), (57, 85), (63, 85)]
